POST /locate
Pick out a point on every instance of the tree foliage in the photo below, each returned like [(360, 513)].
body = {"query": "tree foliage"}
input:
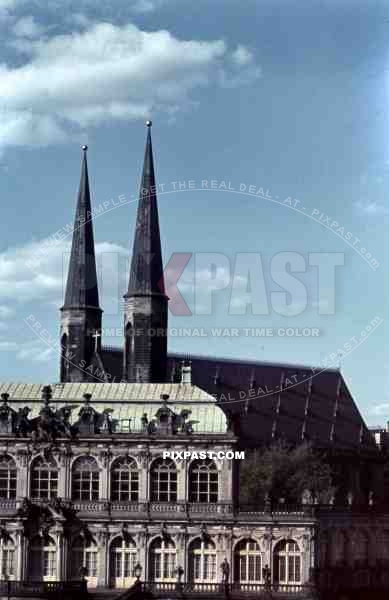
[(283, 473)]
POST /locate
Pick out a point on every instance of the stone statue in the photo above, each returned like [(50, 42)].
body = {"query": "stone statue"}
[(266, 575), (225, 569), (106, 425), (7, 416), (144, 422), (23, 425), (62, 417), (86, 423)]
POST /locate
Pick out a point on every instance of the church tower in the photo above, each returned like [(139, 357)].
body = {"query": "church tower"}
[(81, 314), (146, 304)]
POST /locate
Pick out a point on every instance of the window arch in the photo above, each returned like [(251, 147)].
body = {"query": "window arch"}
[(85, 479), (7, 477), (125, 480), (163, 481), (123, 558), (287, 562), (162, 556), (202, 561), (64, 360), (7, 558), (248, 562), (44, 478), (42, 559), (203, 481), (85, 554)]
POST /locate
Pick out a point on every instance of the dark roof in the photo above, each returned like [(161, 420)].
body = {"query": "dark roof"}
[(315, 406), (81, 287), (146, 273)]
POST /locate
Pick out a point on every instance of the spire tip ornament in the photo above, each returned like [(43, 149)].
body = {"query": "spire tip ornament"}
[(149, 123), (84, 148)]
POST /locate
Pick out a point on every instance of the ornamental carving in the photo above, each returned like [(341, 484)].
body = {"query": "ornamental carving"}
[(22, 457), (143, 458)]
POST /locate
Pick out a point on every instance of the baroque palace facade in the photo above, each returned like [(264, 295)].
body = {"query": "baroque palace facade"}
[(99, 493), (85, 488)]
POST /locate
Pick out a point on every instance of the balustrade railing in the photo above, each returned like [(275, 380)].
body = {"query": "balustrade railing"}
[(242, 512), (42, 588), (7, 504), (257, 589)]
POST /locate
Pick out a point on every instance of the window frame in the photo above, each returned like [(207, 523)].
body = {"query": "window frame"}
[(203, 482), (163, 471)]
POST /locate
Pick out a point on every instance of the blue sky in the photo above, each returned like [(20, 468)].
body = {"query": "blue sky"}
[(289, 96)]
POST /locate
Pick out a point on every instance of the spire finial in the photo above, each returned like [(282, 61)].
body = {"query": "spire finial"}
[(149, 123), (84, 147)]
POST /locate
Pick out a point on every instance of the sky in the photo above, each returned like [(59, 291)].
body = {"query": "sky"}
[(282, 104)]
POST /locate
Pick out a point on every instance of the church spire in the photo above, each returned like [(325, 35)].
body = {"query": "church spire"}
[(81, 314), (145, 315), (146, 274), (81, 287)]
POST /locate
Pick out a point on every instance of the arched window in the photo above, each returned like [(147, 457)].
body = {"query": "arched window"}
[(287, 562), (125, 480), (202, 561), (247, 562), (7, 558), (85, 554), (7, 477), (85, 479), (42, 559), (44, 478), (203, 481), (64, 360), (163, 484), (162, 560), (124, 556)]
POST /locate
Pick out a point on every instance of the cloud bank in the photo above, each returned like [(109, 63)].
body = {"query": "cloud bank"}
[(106, 72)]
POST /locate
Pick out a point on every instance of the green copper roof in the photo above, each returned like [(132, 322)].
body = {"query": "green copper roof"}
[(126, 401)]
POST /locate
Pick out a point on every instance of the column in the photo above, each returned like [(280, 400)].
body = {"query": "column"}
[(104, 462), (102, 542), (180, 541), (268, 550), (21, 542), (182, 476), (141, 544), (23, 480), (63, 474), (60, 558), (144, 459), (225, 481)]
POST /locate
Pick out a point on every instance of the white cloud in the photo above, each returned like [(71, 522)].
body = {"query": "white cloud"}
[(108, 72), (6, 312), (80, 19), (35, 350), (371, 208), (46, 281), (7, 4), (27, 27), (145, 6), (8, 346)]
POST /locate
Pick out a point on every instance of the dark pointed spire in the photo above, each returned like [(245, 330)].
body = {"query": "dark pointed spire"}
[(146, 274), (146, 304), (81, 287)]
